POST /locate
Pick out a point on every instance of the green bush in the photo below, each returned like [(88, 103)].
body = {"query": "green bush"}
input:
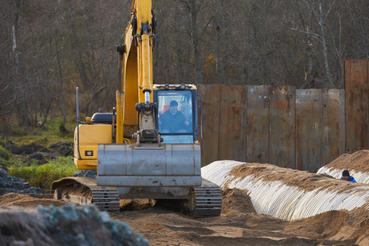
[(43, 175), (4, 153)]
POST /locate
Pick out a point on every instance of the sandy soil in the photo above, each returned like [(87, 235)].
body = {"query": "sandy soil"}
[(358, 161), (304, 180), (237, 225)]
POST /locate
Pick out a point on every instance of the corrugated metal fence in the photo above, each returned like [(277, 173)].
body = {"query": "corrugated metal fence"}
[(285, 126)]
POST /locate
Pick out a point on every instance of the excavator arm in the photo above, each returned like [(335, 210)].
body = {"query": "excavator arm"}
[(136, 74)]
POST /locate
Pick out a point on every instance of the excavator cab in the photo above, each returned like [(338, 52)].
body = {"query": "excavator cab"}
[(177, 115)]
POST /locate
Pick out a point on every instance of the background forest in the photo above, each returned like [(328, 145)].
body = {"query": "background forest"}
[(48, 47)]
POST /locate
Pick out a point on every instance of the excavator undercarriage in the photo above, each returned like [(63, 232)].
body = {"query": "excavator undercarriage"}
[(200, 201)]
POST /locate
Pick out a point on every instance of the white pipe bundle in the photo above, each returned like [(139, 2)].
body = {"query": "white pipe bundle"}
[(288, 202), (360, 177), (356, 163)]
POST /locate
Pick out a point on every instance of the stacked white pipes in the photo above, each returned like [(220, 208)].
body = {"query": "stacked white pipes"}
[(356, 163), (360, 177), (283, 201)]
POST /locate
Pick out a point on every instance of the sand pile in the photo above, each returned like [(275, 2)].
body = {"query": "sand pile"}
[(357, 164), (358, 161), (65, 225), (304, 180), (29, 200), (236, 202), (240, 225), (286, 193)]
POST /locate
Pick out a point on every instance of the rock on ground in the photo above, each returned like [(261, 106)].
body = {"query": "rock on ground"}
[(65, 225), (10, 184), (85, 173)]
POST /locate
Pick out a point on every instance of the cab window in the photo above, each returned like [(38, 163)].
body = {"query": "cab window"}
[(175, 110)]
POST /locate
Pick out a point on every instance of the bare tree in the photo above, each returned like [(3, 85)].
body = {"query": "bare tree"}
[(316, 8), (193, 9), (14, 8), (358, 12), (49, 48), (59, 67)]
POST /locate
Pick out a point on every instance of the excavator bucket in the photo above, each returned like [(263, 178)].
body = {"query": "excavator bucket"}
[(149, 165)]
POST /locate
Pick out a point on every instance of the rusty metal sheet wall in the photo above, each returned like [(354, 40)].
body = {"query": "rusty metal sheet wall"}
[(357, 105), (210, 122), (282, 126), (308, 128), (320, 127), (232, 123), (333, 125), (258, 114), (301, 129)]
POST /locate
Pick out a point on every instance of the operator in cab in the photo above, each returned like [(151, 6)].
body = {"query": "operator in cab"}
[(172, 120)]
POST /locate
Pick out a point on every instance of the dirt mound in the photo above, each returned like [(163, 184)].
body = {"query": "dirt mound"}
[(358, 161), (10, 184), (42, 157), (322, 225), (29, 200), (25, 149), (302, 179), (62, 148), (361, 235), (351, 227), (135, 204), (65, 225), (236, 202), (39, 152)]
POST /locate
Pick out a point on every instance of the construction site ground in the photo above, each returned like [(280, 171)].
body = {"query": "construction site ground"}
[(238, 224)]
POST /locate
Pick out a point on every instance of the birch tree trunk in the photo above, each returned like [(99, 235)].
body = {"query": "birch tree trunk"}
[(324, 40), (14, 16), (61, 80)]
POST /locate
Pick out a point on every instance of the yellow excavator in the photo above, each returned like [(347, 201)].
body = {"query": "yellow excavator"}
[(163, 162)]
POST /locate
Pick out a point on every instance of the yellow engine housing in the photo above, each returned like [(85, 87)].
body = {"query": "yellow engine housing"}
[(90, 135)]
